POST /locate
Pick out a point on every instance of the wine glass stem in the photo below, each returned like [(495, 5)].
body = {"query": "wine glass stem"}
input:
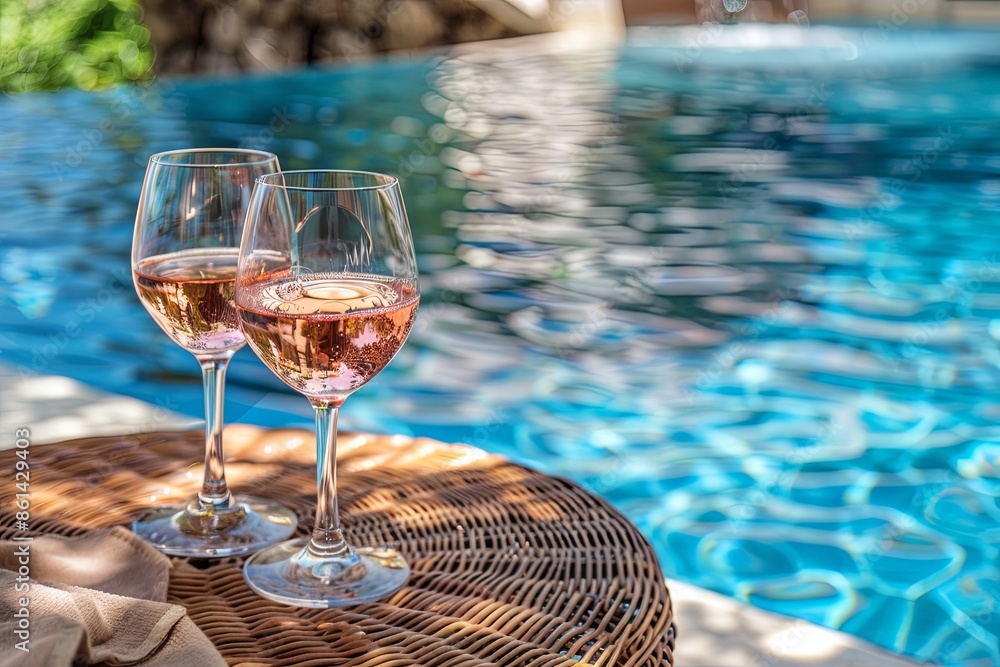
[(214, 490), (327, 540)]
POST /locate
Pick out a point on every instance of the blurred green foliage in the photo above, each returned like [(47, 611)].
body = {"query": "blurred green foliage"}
[(89, 44)]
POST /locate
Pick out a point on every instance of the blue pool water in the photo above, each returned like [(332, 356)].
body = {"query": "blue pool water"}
[(744, 283)]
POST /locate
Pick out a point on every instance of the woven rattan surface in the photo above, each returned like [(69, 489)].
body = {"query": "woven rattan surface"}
[(510, 567)]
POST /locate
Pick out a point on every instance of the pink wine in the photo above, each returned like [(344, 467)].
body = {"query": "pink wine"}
[(326, 334), (190, 295)]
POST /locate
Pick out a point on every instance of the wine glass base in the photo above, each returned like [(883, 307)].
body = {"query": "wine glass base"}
[(248, 525), (273, 574)]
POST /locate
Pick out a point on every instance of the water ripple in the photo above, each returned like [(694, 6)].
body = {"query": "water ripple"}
[(750, 296)]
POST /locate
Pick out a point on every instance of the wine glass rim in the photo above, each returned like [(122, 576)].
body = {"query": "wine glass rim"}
[(163, 158), (390, 181)]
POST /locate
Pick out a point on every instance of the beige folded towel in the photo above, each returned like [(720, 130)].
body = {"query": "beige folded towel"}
[(97, 599)]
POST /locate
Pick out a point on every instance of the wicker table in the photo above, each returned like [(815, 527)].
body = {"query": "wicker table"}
[(510, 567)]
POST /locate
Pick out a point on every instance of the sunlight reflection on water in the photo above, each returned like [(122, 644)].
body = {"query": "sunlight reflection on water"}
[(750, 296)]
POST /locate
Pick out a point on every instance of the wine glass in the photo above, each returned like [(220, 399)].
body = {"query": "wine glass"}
[(184, 254), (327, 292)]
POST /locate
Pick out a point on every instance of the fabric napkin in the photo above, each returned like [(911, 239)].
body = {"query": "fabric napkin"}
[(96, 599)]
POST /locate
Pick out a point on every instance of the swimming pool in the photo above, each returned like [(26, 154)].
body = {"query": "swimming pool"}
[(745, 283)]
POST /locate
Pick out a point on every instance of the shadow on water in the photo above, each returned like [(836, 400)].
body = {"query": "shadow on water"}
[(751, 295)]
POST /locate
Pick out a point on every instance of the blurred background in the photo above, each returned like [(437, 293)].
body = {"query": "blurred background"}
[(93, 44), (733, 266)]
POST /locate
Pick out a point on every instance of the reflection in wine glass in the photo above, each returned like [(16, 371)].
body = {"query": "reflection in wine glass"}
[(327, 294), (184, 257)]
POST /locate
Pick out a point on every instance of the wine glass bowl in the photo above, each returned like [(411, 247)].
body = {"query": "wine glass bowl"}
[(325, 335), (189, 293), (184, 257), (327, 293)]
